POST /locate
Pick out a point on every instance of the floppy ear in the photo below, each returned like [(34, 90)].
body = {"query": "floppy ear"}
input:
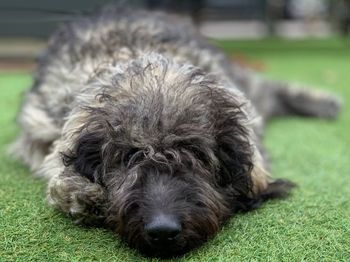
[(245, 180), (235, 160), (242, 175), (234, 150), (86, 156)]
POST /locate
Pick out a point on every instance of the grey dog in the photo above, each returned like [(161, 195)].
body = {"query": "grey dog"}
[(140, 125)]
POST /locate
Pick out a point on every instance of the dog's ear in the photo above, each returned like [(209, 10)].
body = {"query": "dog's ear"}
[(234, 150), (85, 157), (235, 160), (242, 175)]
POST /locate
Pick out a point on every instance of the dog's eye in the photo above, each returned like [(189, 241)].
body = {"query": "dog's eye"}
[(200, 204), (130, 155)]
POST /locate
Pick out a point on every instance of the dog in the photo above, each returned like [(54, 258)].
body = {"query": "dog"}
[(142, 126)]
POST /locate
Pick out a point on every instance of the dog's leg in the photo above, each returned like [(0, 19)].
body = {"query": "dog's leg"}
[(29, 150), (38, 133), (292, 99), (77, 197), (274, 98), (70, 192)]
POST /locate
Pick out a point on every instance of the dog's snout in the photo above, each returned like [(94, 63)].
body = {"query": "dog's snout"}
[(163, 229)]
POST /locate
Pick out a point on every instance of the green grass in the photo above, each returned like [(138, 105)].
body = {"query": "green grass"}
[(312, 225)]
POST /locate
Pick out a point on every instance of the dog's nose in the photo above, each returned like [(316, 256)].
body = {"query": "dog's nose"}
[(163, 229)]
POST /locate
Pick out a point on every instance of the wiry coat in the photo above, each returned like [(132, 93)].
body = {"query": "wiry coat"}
[(133, 113)]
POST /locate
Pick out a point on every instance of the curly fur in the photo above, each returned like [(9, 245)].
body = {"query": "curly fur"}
[(133, 113)]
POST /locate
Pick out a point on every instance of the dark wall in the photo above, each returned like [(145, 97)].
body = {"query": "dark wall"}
[(37, 18)]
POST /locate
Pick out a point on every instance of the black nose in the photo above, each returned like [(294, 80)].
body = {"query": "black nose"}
[(163, 229)]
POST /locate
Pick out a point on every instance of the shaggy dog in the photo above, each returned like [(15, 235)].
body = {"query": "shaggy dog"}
[(142, 126)]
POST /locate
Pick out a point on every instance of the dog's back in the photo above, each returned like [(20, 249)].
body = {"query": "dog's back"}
[(80, 50)]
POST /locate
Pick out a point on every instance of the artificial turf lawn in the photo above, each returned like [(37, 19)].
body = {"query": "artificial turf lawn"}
[(312, 225)]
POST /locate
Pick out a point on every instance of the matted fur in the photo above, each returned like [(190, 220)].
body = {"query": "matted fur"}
[(133, 113)]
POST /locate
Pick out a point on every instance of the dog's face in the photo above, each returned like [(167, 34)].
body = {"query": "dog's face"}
[(171, 153)]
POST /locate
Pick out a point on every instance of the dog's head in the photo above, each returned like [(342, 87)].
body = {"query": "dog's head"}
[(172, 149)]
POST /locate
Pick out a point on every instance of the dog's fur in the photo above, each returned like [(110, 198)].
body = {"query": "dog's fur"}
[(133, 114)]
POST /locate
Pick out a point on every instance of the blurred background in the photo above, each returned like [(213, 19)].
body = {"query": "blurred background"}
[(26, 25)]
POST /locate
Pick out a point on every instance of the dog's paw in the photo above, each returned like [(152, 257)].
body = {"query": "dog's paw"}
[(79, 198), (326, 105), (314, 103)]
